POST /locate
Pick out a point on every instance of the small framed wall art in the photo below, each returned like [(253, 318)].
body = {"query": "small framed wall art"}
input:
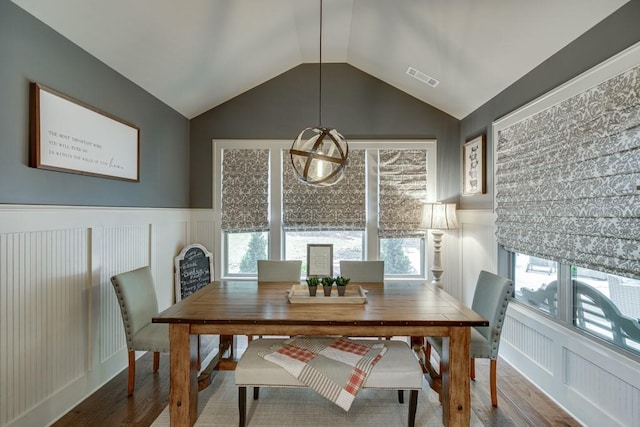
[(474, 166)]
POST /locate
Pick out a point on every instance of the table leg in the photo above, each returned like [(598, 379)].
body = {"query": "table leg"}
[(183, 394), (456, 394)]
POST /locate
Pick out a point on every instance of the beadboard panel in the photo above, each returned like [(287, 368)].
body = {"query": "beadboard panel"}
[(538, 347), (203, 225), (167, 241), (122, 248), (61, 334), (43, 307), (477, 249), (594, 383), (450, 252), (617, 398)]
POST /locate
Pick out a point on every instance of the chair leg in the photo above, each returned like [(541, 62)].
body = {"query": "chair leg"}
[(413, 405), (427, 353), (132, 372), (156, 361), (400, 396), (493, 368), (242, 405), (472, 368), (256, 393)]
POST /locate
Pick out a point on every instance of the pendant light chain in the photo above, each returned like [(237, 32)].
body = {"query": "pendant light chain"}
[(320, 73), (319, 154)]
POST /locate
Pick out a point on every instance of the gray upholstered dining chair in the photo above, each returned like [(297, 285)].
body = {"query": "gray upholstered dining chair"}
[(136, 296), (138, 304), (490, 300), (362, 271), (279, 271)]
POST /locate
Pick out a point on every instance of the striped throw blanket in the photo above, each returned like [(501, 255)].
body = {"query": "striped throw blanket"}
[(334, 367)]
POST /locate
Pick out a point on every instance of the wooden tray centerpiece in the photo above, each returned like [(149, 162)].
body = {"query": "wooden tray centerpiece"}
[(299, 294)]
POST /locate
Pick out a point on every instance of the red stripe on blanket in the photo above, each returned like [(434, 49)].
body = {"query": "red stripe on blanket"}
[(350, 347), (296, 353), (355, 381)]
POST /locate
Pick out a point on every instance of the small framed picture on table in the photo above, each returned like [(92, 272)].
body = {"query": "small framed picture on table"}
[(474, 166), (319, 260)]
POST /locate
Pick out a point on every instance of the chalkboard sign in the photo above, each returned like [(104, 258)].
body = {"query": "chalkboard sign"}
[(193, 269)]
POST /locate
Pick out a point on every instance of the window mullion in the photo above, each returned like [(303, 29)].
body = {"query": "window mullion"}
[(372, 243), (276, 249), (565, 294)]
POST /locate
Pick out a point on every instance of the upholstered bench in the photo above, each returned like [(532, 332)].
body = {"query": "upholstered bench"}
[(397, 370)]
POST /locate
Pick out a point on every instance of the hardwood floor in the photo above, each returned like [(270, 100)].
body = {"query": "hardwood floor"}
[(519, 402)]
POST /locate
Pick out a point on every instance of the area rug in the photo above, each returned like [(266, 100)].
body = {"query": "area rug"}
[(283, 407)]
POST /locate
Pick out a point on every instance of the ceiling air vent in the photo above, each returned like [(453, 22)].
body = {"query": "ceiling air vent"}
[(422, 77)]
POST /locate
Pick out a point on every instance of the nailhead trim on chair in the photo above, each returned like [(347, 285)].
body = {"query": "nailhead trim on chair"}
[(125, 315)]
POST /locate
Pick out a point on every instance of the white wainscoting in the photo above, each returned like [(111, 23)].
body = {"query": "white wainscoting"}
[(203, 228), (477, 249), (594, 383), (61, 334), (597, 385)]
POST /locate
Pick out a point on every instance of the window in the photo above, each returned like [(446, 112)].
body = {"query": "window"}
[(535, 281), (402, 256), (333, 215), (347, 245), (265, 213), (243, 250), (605, 306)]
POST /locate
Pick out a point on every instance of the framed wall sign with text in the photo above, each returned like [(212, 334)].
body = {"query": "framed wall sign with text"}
[(69, 136), (474, 166)]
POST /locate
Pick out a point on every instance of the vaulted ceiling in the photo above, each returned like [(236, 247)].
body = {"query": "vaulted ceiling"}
[(196, 54)]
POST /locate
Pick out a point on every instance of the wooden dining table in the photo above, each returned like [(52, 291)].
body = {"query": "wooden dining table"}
[(250, 308)]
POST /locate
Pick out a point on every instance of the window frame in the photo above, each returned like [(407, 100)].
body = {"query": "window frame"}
[(565, 311), (276, 235)]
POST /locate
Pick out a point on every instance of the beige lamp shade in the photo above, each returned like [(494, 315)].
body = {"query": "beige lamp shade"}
[(439, 216)]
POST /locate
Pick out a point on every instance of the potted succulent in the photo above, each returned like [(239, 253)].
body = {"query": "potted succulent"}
[(327, 285), (312, 284), (341, 284)]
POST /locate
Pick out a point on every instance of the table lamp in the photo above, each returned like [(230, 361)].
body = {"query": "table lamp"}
[(437, 217)]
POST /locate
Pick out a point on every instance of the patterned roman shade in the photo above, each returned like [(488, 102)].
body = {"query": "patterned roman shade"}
[(339, 207), (245, 190), (568, 177), (402, 179)]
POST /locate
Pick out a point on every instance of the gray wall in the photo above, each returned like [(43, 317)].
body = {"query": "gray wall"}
[(614, 34), (358, 105), (31, 51)]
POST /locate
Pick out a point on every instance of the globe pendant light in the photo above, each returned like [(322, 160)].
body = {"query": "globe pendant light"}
[(319, 154)]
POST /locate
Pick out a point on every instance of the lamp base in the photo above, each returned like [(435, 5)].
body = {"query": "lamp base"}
[(436, 268)]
